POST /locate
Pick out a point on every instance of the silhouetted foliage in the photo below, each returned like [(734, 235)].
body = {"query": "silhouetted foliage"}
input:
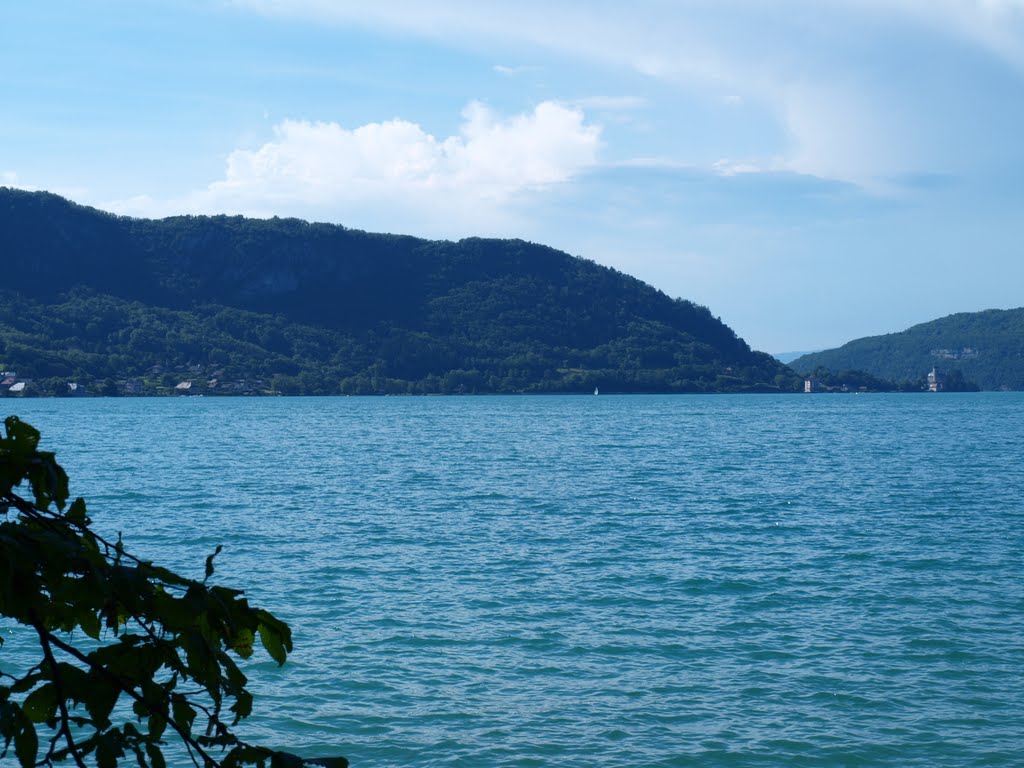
[(129, 652)]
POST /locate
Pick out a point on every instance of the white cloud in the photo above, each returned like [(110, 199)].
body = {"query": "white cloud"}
[(996, 25), (839, 133), (658, 38), (14, 180), (726, 167), (662, 163), (648, 36), (809, 63), (318, 168), (502, 69), (610, 103)]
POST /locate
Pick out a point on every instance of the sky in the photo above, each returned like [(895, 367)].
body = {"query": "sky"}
[(813, 171)]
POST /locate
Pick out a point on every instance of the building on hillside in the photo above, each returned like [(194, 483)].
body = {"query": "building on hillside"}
[(935, 380), (811, 384)]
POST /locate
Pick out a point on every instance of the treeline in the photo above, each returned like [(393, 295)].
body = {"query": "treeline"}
[(112, 346), (860, 381), (281, 305), (983, 348), (230, 304), (330, 276)]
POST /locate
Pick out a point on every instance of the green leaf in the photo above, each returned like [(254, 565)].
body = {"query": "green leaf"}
[(27, 683), (157, 725), (76, 513), (243, 706), (90, 624), (327, 762), (182, 712), (24, 438), (209, 562), (100, 700), (270, 637), (156, 757), (26, 743), (41, 704), (285, 760), (75, 682), (242, 643), (108, 750), (246, 754)]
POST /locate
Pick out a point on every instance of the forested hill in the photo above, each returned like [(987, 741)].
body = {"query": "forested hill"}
[(986, 347), (236, 304)]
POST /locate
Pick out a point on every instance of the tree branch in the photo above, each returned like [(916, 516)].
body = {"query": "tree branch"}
[(44, 640), (163, 712)]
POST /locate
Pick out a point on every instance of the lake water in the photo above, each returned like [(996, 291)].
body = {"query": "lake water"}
[(577, 581)]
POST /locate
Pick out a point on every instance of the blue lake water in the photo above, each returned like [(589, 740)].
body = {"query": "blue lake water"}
[(578, 581)]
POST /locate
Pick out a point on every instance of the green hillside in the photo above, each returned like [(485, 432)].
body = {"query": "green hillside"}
[(244, 305), (986, 347)]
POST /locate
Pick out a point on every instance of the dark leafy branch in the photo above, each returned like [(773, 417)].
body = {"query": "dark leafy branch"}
[(164, 644)]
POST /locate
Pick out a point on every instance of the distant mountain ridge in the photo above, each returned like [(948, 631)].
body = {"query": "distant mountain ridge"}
[(319, 308), (788, 357), (986, 347)]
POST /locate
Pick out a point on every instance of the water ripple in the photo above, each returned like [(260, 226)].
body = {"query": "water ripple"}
[(657, 581)]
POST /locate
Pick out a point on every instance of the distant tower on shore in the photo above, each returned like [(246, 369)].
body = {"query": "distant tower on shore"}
[(935, 380)]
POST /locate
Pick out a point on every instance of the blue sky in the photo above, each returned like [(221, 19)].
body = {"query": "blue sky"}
[(812, 170)]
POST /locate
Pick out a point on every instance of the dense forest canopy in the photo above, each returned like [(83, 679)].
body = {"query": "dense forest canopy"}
[(237, 304), (986, 348)]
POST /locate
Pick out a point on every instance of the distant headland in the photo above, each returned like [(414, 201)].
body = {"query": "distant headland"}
[(967, 350), (94, 303)]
